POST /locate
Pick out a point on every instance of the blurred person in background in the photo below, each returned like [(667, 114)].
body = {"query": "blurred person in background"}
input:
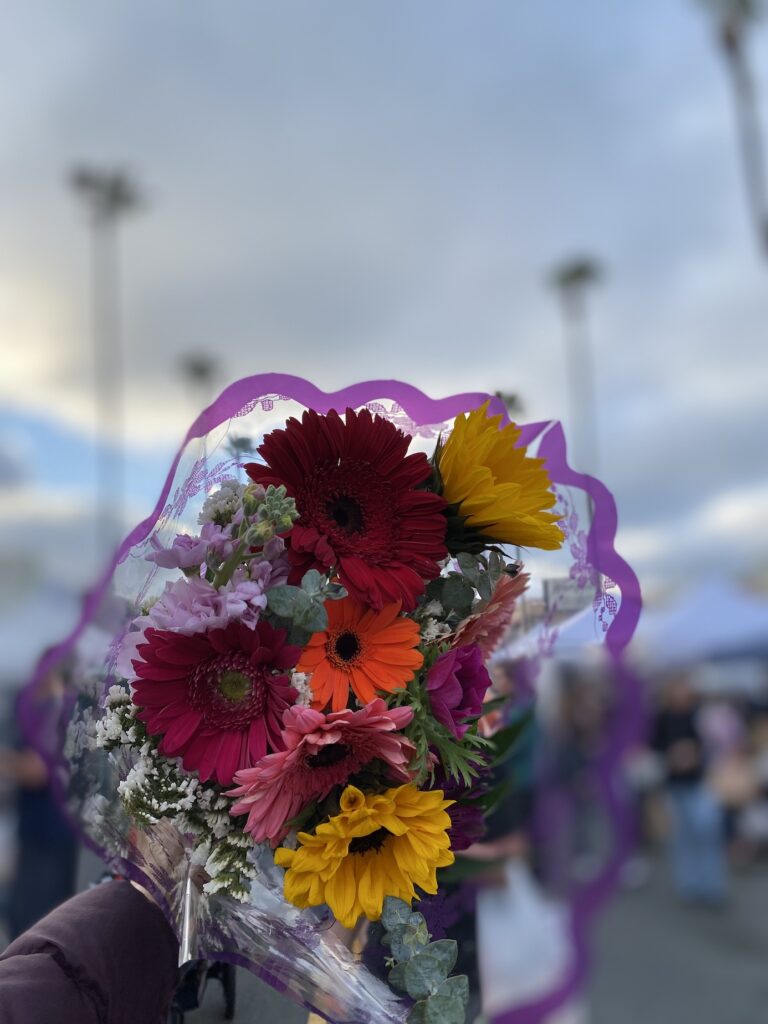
[(696, 821), (46, 848), (731, 773)]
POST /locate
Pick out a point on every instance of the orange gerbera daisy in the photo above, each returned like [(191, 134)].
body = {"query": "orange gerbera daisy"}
[(362, 648)]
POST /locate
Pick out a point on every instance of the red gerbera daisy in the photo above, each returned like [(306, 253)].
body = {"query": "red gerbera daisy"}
[(360, 510), (215, 696)]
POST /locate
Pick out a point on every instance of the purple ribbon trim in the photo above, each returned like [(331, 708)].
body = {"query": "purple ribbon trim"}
[(627, 728)]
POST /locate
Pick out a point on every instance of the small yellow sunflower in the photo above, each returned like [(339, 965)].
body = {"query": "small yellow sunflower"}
[(500, 492), (379, 845)]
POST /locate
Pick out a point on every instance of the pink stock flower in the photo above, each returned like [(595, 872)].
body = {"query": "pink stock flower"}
[(321, 751), (184, 553), (218, 540), (217, 698), (189, 606), (488, 627)]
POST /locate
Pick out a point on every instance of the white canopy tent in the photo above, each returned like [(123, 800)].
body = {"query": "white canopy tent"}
[(715, 620)]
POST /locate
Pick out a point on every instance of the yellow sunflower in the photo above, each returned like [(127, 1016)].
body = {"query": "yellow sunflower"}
[(500, 492), (379, 845)]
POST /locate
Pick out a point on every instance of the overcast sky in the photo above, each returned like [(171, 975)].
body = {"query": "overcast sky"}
[(347, 189)]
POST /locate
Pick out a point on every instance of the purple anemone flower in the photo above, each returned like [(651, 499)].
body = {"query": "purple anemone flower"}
[(456, 684)]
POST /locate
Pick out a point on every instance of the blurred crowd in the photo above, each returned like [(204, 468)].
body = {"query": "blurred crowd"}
[(38, 848)]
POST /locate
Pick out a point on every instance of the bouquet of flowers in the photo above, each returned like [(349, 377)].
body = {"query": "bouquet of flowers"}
[(292, 720)]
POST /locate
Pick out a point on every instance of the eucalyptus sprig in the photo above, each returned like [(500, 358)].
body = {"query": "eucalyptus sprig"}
[(420, 968), (301, 610)]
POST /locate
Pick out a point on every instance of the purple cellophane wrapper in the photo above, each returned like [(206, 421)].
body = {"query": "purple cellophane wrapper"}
[(295, 951)]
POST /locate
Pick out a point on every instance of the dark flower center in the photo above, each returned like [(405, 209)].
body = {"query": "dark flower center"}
[(330, 754), (347, 646), (235, 685), (374, 841), (228, 691), (346, 513), (352, 506)]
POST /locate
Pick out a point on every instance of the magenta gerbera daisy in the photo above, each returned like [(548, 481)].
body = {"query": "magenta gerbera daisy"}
[(321, 751), (217, 698), (362, 506)]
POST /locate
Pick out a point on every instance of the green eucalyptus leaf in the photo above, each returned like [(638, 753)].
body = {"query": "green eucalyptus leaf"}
[(299, 637), (429, 968), (434, 590), (485, 587), (312, 582), (396, 940), (397, 977), (310, 613), (282, 600), (468, 565), (455, 988), (449, 1004), (496, 566), (418, 1014), (394, 912), (445, 952), (406, 939), (457, 594)]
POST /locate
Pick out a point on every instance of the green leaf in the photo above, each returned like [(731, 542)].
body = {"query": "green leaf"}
[(282, 600), (309, 613), (418, 1014), (457, 594), (461, 760), (429, 968), (394, 912), (312, 582), (485, 587), (446, 952), (299, 637), (396, 977), (455, 988), (468, 566), (406, 939), (449, 1004), (496, 566), (434, 591)]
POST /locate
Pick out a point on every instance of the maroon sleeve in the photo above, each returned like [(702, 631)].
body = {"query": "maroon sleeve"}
[(107, 956)]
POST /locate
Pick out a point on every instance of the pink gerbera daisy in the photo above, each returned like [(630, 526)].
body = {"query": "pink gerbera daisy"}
[(217, 697), (321, 751), (487, 628)]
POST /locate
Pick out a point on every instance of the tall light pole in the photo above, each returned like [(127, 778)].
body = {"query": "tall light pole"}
[(572, 279), (734, 20), (200, 371), (107, 195)]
